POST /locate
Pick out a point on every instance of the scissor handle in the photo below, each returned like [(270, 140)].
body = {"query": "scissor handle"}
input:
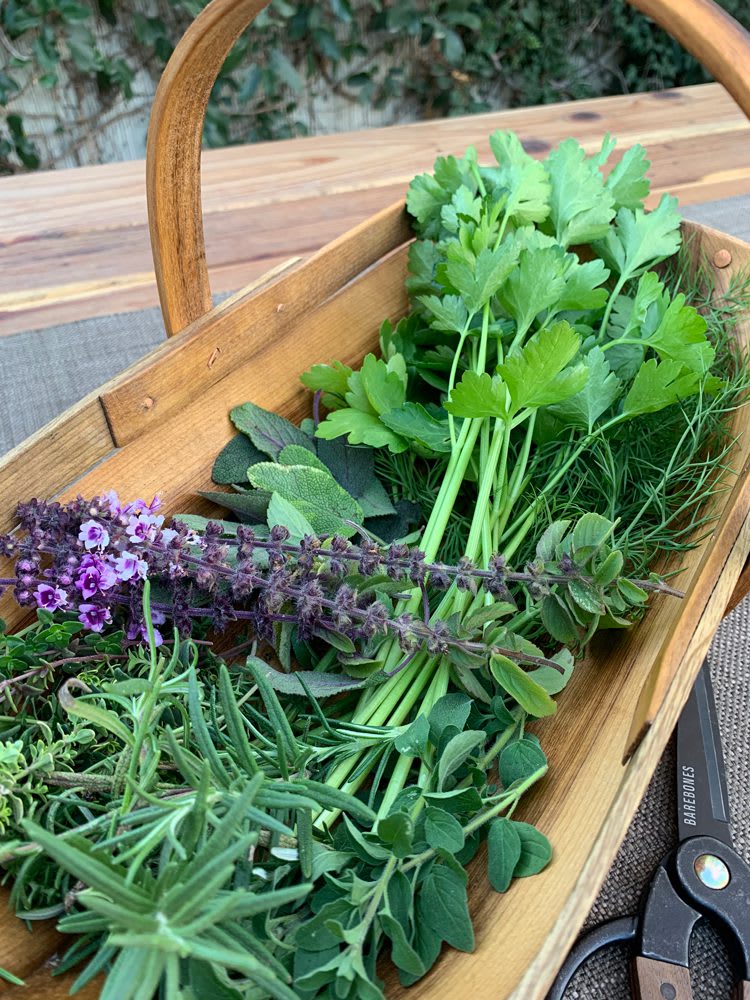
[(727, 905), (613, 932), (654, 980)]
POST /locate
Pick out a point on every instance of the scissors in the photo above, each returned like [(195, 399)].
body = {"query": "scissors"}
[(702, 877)]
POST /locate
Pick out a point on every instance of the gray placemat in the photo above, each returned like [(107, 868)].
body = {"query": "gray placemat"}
[(44, 371)]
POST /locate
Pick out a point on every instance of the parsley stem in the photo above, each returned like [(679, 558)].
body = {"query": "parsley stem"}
[(610, 303), (452, 377)]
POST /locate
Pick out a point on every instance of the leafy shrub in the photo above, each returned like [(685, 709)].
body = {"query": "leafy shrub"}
[(423, 57)]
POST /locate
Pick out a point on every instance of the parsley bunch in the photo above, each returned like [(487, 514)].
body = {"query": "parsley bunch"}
[(539, 336)]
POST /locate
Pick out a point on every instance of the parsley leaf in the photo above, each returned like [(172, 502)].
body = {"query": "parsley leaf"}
[(582, 283), (360, 428), (659, 384), (524, 178), (581, 207), (641, 239), (449, 313), (537, 374), (412, 421), (424, 258), (477, 279), (428, 193), (477, 396), (628, 181), (602, 388), (681, 336), (333, 378), (534, 286), (384, 383)]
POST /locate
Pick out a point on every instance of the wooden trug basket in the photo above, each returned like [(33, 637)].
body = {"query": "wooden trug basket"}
[(157, 428)]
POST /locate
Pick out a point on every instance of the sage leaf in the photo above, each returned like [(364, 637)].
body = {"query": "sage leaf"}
[(251, 506), (443, 831), (503, 853), (314, 493), (295, 454), (520, 759), (233, 460), (443, 905), (536, 850), (269, 432), (512, 678), (354, 470)]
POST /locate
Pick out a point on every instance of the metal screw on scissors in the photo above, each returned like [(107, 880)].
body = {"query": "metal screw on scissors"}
[(702, 877)]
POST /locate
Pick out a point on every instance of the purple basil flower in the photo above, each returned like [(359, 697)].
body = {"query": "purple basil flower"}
[(138, 630), (94, 616), (113, 502), (129, 565), (50, 598), (141, 507), (142, 527), (93, 535), (95, 575)]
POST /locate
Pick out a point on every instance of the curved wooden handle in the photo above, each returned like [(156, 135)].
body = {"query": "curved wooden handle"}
[(173, 158), (712, 35)]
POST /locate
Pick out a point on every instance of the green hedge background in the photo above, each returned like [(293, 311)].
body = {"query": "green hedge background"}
[(409, 58)]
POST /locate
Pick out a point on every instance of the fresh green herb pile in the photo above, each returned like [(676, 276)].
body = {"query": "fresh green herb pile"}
[(548, 425)]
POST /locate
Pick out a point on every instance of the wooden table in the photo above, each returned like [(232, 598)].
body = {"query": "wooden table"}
[(74, 243)]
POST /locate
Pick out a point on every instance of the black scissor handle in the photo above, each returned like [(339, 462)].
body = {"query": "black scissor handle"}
[(729, 905), (613, 932)]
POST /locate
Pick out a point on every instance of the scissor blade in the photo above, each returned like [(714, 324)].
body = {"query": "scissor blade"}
[(702, 801)]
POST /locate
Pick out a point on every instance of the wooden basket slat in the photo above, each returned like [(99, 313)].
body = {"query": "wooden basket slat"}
[(170, 377), (56, 454)]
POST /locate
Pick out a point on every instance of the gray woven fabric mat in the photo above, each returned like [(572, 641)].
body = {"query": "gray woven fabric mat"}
[(44, 371)]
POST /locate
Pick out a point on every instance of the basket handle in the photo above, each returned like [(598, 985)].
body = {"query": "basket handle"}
[(173, 159), (176, 126), (713, 36)]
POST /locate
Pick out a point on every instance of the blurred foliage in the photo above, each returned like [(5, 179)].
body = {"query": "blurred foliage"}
[(424, 57)]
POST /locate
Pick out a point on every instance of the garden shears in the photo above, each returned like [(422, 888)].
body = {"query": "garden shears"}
[(702, 877)]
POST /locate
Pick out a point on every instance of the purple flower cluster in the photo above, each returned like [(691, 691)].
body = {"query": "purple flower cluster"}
[(83, 556), (91, 558)]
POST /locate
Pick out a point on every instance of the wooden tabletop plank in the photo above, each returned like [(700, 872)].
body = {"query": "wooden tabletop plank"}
[(74, 243)]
